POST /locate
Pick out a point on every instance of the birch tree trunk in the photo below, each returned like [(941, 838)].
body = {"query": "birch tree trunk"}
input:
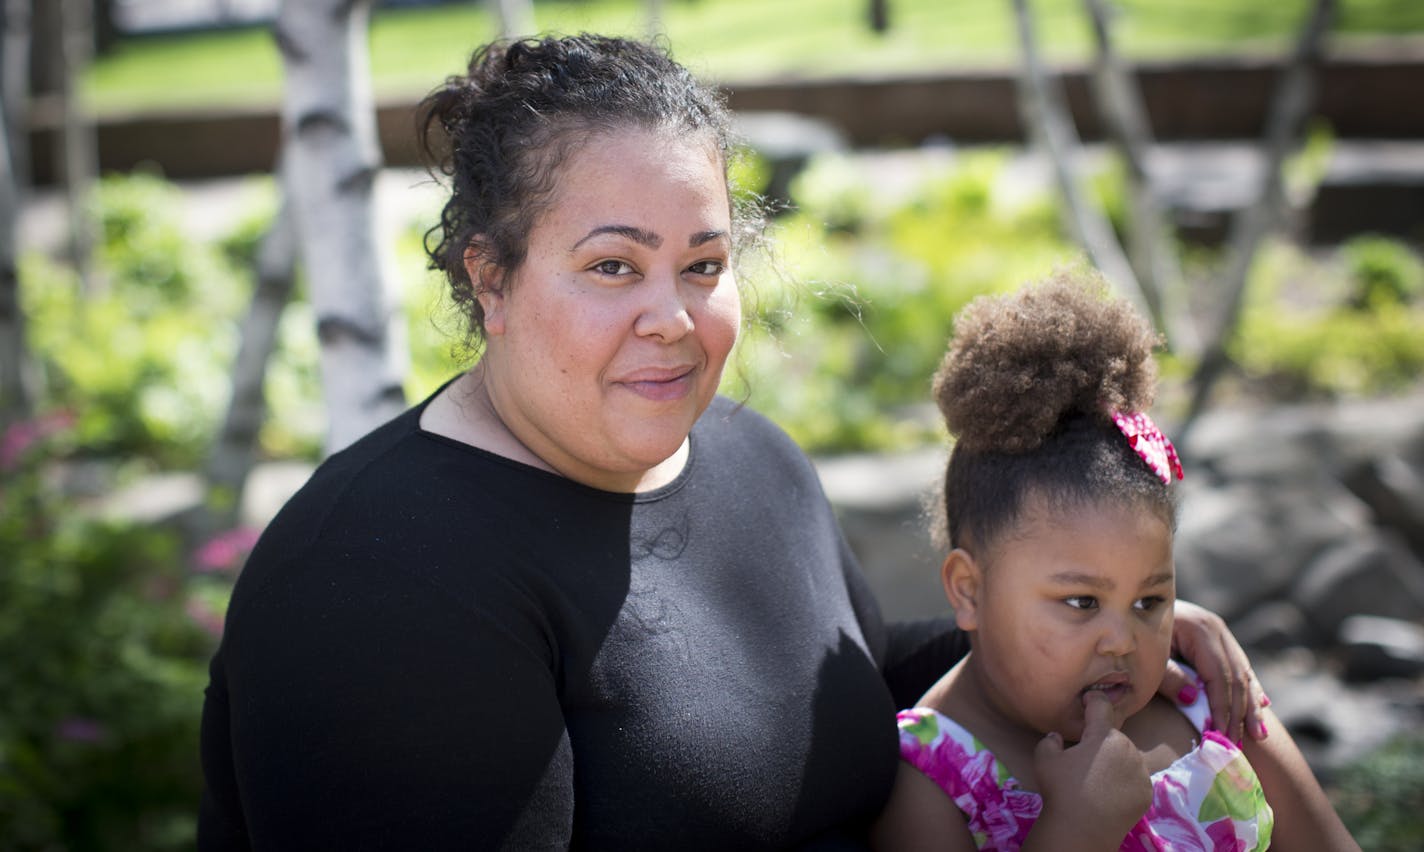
[(1290, 106), (515, 17), (14, 355), (332, 160), (880, 16), (655, 17), (1150, 248), (1046, 119), (77, 148), (15, 87), (15, 391), (235, 450)]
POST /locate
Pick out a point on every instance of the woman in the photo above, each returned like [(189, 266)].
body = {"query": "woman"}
[(573, 598)]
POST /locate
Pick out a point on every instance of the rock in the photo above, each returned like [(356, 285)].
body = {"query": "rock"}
[(1272, 627), (1393, 488), (1374, 648), (1335, 723), (1244, 543), (881, 503), (1364, 575)]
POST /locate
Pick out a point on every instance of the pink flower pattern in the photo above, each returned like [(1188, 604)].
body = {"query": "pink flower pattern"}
[(1000, 813)]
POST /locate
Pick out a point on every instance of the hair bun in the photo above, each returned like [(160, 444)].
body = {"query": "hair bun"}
[(1020, 365)]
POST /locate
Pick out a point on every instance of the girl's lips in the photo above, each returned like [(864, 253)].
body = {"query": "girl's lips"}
[(1115, 686)]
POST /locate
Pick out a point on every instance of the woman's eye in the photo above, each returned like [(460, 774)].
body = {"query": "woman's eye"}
[(707, 267), (1082, 602), (1148, 604), (612, 267)]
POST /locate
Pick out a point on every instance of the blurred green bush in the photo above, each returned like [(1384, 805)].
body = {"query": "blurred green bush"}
[(104, 664)]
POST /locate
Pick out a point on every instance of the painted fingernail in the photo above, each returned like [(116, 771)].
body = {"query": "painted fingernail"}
[(1187, 695), (1261, 730), (1265, 700)]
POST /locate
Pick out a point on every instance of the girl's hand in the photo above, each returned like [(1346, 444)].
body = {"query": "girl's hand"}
[(1095, 791), (1235, 696)]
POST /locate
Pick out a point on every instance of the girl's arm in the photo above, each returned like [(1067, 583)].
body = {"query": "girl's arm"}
[(920, 817), (1304, 817)]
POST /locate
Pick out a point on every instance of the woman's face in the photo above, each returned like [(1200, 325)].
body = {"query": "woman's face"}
[(1075, 600), (608, 342)]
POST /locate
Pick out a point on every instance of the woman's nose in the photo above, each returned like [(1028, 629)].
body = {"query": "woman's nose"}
[(663, 313)]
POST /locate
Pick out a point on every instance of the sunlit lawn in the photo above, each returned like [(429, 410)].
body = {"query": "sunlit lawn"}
[(411, 49)]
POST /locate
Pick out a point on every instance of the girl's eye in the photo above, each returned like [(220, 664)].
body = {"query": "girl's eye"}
[(1148, 604), (707, 267), (612, 267), (1082, 602)]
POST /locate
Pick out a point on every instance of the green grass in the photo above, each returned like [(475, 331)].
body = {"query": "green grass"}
[(412, 49)]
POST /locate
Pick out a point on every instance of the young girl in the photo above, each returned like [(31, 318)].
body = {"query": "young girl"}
[(1049, 734)]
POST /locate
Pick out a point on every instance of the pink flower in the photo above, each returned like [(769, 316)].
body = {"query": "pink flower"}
[(21, 436), (225, 550), (205, 616)]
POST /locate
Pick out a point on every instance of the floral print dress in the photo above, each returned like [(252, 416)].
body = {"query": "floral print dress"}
[(1208, 799)]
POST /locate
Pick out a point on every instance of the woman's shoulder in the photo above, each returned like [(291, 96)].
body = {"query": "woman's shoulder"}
[(734, 430)]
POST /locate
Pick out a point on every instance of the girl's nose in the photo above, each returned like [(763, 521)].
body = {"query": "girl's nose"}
[(1117, 638)]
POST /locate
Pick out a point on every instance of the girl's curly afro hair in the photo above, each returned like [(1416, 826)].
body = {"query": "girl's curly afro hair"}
[(1027, 390)]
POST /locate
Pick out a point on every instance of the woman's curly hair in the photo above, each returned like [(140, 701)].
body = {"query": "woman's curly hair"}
[(500, 132), (1027, 390)]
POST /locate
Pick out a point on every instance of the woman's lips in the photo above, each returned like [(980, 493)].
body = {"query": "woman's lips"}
[(660, 385)]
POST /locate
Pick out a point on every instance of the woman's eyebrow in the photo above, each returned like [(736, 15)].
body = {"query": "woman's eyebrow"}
[(704, 237), (632, 232)]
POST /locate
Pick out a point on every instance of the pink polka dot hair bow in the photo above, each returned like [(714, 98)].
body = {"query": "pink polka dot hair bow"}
[(1149, 442)]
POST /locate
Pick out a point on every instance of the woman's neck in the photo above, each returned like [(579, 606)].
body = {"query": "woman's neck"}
[(466, 411)]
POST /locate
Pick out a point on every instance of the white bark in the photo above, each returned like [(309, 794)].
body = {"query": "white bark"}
[(78, 150), (15, 390), (15, 87), (1046, 118), (333, 158), (235, 449), (1150, 248), (515, 17), (1290, 106), (655, 17)]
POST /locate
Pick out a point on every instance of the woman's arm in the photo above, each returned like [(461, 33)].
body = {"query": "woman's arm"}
[(1206, 643), (1304, 817), (360, 707)]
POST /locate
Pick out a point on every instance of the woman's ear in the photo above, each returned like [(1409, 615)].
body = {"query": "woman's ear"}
[(488, 282), (963, 579)]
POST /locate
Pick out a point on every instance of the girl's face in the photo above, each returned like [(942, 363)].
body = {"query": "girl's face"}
[(608, 342), (1071, 601)]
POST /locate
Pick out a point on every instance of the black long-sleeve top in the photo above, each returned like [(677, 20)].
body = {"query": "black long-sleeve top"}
[(433, 647)]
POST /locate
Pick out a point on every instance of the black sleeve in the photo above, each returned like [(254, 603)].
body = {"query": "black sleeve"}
[(387, 718), (918, 653), (912, 655)]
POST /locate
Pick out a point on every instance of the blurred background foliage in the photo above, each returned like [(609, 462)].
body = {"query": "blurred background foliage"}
[(413, 48), (107, 622)]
